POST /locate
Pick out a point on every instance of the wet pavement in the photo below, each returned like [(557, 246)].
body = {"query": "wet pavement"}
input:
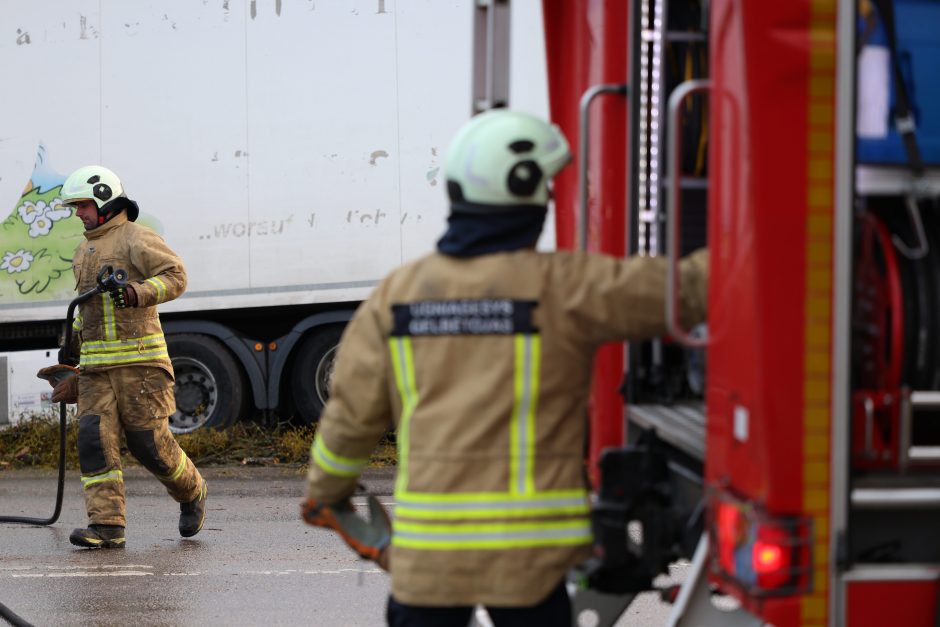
[(254, 562)]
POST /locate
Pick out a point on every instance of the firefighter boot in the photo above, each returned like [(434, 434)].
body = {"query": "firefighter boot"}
[(193, 514), (99, 537)]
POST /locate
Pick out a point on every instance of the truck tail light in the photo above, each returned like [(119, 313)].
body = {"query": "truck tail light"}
[(761, 554)]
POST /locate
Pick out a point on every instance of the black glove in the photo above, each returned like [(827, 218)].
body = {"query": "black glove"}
[(124, 297), (66, 357)]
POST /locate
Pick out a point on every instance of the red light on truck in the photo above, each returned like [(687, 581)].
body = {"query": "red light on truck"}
[(761, 554), (767, 557)]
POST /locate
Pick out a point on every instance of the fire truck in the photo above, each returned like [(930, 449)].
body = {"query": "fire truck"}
[(789, 450)]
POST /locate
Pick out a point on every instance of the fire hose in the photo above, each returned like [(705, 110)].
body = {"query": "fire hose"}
[(12, 618), (108, 280)]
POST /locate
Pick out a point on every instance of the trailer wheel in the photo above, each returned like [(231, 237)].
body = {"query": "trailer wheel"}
[(312, 374), (210, 388)]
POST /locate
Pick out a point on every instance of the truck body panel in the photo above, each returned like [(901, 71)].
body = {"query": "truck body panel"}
[(290, 154)]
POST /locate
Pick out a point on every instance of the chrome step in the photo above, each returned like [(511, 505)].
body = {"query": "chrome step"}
[(680, 424)]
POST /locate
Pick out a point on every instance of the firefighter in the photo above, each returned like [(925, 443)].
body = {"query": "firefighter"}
[(125, 380), (481, 354)]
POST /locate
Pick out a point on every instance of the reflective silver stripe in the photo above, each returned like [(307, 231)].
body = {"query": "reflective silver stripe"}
[(132, 350), (107, 307), (445, 507), (128, 357), (523, 421), (403, 366), (106, 346), (336, 464), (490, 535), (160, 286), (114, 475), (180, 467)]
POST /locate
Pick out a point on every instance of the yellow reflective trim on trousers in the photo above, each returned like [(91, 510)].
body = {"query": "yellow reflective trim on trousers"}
[(335, 464), (498, 535), (160, 286), (114, 475), (107, 306), (180, 467), (522, 424), (403, 365)]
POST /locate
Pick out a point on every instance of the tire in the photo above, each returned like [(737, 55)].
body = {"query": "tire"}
[(312, 373), (210, 387)]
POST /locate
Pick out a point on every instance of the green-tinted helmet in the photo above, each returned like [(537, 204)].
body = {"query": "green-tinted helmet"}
[(101, 185), (502, 160)]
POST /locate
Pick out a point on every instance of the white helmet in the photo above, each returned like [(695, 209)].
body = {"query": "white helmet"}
[(101, 185), (502, 160)]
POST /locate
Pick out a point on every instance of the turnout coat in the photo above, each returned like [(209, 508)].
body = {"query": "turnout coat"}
[(483, 365), (109, 336)]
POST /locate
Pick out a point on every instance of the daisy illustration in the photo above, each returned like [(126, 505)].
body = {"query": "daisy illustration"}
[(56, 210), (40, 226), (16, 262), (30, 211)]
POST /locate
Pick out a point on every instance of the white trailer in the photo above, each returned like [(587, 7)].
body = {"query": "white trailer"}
[(289, 150)]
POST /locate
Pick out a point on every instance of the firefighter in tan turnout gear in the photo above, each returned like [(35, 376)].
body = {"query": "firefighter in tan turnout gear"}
[(481, 353), (125, 383)]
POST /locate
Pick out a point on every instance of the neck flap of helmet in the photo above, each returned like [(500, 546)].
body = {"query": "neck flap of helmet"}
[(473, 234)]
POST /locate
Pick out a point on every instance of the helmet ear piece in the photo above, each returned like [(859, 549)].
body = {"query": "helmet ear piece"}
[(524, 178), (102, 191)]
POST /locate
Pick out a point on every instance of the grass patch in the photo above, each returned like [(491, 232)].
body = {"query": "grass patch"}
[(34, 443)]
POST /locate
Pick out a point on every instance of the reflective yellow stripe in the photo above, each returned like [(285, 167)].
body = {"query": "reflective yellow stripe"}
[(160, 286), (335, 464), (77, 322), (497, 535), (173, 476), (491, 505), (132, 350), (155, 339), (114, 475), (522, 428), (403, 365), (107, 306), (125, 357)]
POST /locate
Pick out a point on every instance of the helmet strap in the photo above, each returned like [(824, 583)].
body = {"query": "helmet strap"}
[(104, 217)]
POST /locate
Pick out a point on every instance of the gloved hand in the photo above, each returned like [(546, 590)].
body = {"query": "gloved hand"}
[(66, 391), (64, 382), (370, 539), (124, 297), (66, 358)]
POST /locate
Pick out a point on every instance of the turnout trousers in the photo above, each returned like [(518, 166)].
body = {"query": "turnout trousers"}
[(136, 401)]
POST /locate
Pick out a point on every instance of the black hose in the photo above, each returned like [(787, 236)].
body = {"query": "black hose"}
[(108, 279), (8, 615), (58, 497), (70, 316)]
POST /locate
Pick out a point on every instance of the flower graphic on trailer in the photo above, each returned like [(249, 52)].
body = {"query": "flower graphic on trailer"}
[(40, 226), (40, 216), (16, 262)]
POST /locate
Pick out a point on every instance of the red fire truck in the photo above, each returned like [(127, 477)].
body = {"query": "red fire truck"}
[(799, 471)]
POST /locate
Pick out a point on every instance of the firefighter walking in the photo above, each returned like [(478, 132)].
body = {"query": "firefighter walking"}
[(481, 353), (125, 385)]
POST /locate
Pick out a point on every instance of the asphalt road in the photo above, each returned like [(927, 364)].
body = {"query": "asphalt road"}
[(254, 562)]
